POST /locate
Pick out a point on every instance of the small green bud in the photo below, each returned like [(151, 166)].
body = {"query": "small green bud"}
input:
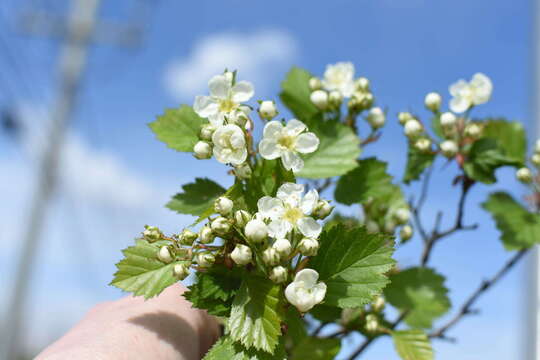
[(164, 255), (180, 271), (187, 237), (308, 247), (524, 175), (205, 259), (404, 116), (241, 218), (270, 256), (207, 131), (206, 235), (406, 233), (278, 274), (322, 209), (378, 304), (152, 233)]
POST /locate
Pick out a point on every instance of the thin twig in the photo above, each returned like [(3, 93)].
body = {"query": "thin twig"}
[(466, 308), (417, 209)]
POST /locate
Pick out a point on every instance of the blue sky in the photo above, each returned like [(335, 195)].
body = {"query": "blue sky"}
[(116, 177)]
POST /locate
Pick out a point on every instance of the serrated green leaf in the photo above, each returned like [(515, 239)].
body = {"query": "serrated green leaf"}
[(417, 162), (511, 137), (412, 345), (296, 92), (196, 198), (520, 229), (226, 348), (337, 153), (368, 180), (484, 158), (353, 264), (178, 128), (141, 273), (326, 313), (420, 292), (314, 348), (296, 325), (256, 314)]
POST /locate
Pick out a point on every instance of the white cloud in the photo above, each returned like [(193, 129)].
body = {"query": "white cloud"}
[(252, 54)]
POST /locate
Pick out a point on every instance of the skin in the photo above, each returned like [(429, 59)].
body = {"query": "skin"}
[(164, 327)]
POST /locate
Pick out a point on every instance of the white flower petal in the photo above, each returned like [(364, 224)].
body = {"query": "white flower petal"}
[(319, 292), (290, 190), (219, 86), (269, 150), (308, 276), (295, 127), (238, 139), (291, 161), (307, 143), (309, 227), (457, 87), (459, 104), (279, 229), (242, 91), (205, 106), (482, 88), (238, 156), (272, 130), (270, 208), (309, 201), (216, 119)]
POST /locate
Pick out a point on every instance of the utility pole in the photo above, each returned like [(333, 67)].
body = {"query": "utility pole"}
[(78, 36)]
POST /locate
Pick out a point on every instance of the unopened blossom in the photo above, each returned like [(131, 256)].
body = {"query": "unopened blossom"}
[(278, 274), (241, 218), (270, 256), (322, 209), (256, 231), (406, 232), (187, 237), (535, 159), (412, 128), (241, 254), (315, 83), (423, 144), (206, 235), (205, 259), (449, 148), (230, 145), (402, 215), (466, 94), (289, 210), (164, 255), (286, 142), (202, 150), (220, 225), (319, 98), (308, 247), (340, 77), (283, 247), (225, 98), (524, 175), (223, 205), (376, 117), (152, 233), (473, 130), (181, 271), (268, 110), (433, 101), (305, 292), (448, 120)]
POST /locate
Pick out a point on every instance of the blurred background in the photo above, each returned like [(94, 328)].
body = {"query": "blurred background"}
[(100, 83)]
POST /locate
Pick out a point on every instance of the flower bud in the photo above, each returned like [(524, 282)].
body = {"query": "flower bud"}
[(360, 101), (372, 227), (187, 237), (335, 98), (308, 247), (206, 235), (406, 233), (524, 175), (402, 216), (283, 247), (372, 323), (473, 130), (270, 256), (320, 99), (220, 226), (413, 128), (151, 233), (205, 259), (404, 116), (537, 146), (256, 231), (315, 83), (268, 110), (389, 226), (278, 274), (448, 120), (180, 271), (322, 209), (164, 255), (535, 159), (423, 145), (207, 131), (362, 84), (223, 205), (202, 150), (243, 171), (433, 101), (238, 117), (241, 254), (449, 148), (241, 218), (376, 117), (378, 304)]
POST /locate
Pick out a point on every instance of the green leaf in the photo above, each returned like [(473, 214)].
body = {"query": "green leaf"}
[(520, 229), (314, 348), (353, 264), (196, 198), (326, 313), (436, 125), (226, 348), (510, 136), (368, 180), (337, 153), (484, 158), (412, 345), (256, 314), (141, 273), (296, 92), (215, 289), (420, 292), (417, 162), (178, 128)]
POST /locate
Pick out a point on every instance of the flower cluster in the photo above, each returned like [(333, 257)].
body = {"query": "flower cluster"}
[(524, 174)]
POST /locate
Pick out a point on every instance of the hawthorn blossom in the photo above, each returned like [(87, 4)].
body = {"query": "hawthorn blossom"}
[(340, 77), (230, 145), (290, 210), (466, 94), (225, 98), (286, 142), (305, 292)]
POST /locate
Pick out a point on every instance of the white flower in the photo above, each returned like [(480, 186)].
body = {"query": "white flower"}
[(268, 110), (412, 128), (224, 98), (290, 210), (223, 205), (230, 145), (466, 94), (340, 77), (319, 98), (283, 247), (376, 117), (305, 292), (241, 254), (286, 142), (256, 230), (449, 148), (433, 101), (308, 247), (202, 150), (164, 255), (278, 274), (524, 175)]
